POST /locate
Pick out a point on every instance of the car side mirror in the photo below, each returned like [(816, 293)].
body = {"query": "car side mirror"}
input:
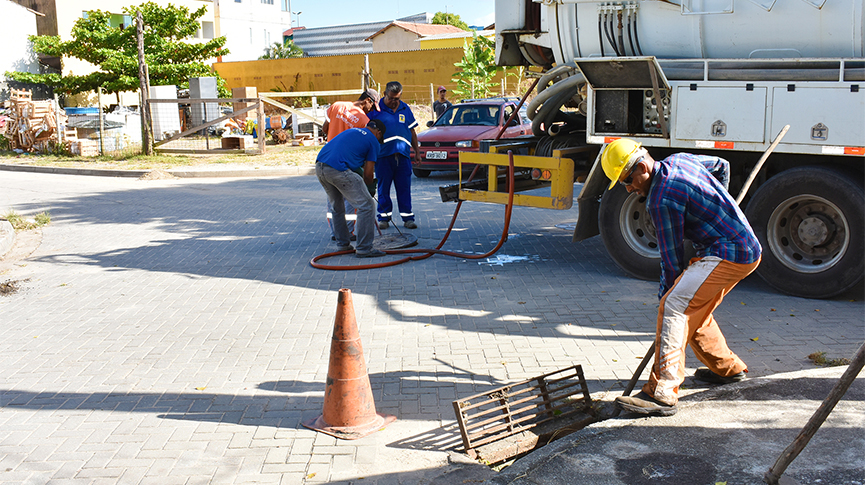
[(429, 123), (514, 122)]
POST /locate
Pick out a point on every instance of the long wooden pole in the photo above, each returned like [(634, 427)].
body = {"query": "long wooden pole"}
[(773, 476), (101, 121), (760, 163), (144, 87)]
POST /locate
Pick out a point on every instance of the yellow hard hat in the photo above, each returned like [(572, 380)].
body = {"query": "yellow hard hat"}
[(619, 156)]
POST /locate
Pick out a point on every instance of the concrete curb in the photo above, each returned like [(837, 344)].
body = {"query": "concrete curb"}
[(7, 237), (772, 392), (180, 173)]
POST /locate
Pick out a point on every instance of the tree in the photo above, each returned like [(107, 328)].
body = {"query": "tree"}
[(114, 51), (477, 68), (441, 18), (282, 51)]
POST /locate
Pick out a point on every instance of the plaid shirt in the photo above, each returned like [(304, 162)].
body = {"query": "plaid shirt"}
[(687, 202)]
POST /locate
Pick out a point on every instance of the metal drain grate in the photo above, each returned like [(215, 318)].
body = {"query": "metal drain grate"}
[(503, 412)]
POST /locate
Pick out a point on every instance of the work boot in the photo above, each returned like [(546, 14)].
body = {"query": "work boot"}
[(345, 248), (643, 403), (705, 375), (382, 224), (410, 225)]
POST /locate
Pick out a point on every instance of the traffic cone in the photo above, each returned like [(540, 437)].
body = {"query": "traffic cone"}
[(349, 410)]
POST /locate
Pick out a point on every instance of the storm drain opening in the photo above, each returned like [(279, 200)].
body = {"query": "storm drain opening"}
[(510, 421)]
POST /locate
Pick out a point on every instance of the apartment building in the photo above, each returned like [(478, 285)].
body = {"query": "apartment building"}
[(251, 26)]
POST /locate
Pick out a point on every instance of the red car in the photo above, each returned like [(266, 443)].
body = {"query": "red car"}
[(461, 128)]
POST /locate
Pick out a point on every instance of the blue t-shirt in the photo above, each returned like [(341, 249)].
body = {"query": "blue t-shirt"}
[(398, 125), (350, 149)]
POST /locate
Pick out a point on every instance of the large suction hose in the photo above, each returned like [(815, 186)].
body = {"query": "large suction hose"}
[(545, 108)]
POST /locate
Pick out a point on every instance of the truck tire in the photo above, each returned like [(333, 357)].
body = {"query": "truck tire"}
[(421, 173), (628, 233), (810, 222)]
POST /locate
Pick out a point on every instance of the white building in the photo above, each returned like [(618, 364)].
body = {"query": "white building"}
[(59, 16), (16, 55), (251, 26)]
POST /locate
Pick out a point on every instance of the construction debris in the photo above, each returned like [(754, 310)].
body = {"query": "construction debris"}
[(32, 126)]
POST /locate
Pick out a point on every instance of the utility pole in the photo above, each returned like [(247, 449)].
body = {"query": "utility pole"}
[(144, 87)]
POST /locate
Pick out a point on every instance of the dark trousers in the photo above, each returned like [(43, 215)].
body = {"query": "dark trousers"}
[(394, 169)]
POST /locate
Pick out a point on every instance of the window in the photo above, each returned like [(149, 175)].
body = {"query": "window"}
[(207, 30), (120, 21), (250, 35), (268, 2)]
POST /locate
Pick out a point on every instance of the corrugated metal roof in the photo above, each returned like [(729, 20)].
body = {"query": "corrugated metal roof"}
[(344, 39)]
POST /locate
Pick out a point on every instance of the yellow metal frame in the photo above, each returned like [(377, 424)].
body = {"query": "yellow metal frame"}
[(561, 181)]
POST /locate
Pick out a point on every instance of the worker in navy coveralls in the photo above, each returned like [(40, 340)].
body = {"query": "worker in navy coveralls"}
[(394, 158), (337, 166)]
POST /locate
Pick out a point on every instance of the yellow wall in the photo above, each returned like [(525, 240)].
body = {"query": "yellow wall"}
[(416, 70), (447, 43)]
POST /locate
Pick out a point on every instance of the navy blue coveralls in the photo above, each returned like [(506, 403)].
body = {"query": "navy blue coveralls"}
[(394, 160)]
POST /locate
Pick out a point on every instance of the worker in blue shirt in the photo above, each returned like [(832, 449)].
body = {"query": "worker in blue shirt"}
[(394, 158), (686, 197), (337, 167)]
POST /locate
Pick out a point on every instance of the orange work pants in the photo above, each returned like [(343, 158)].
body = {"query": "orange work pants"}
[(685, 317)]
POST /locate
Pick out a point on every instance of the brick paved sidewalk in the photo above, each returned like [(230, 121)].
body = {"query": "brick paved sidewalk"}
[(172, 331)]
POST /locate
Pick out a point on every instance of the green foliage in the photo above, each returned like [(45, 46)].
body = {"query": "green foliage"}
[(441, 18), (114, 51), (282, 51), (19, 223), (477, 69)]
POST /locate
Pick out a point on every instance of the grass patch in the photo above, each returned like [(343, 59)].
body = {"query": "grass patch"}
[(820, 358), (21, 224)]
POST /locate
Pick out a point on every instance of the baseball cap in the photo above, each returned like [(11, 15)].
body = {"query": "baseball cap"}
[(441, 88), (376, 124), (371, 94)]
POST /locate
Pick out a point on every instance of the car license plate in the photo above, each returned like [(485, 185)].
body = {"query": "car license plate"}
[(431, 155)]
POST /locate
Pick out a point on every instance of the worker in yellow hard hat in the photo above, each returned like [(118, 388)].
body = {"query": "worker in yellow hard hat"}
[(687, 198)]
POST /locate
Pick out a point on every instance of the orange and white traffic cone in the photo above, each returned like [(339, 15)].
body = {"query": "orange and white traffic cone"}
[(349, 410)]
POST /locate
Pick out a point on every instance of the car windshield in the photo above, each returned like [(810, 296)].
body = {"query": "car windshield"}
[(469, 114)]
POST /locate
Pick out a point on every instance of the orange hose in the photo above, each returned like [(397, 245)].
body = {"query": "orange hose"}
[(426, 253)]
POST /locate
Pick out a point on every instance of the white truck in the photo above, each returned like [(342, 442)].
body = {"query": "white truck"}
[(720, 77)]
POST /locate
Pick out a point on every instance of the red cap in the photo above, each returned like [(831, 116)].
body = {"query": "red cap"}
[(441, 88)]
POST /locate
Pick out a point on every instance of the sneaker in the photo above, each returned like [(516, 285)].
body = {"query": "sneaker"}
[(410, 225), (374, 253), (345, 248), (705, 375), (352, 238), (382, 224), (642, 403)]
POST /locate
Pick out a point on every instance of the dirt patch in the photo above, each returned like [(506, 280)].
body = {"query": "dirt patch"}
[(26, 242), (9, 287), (157, 175)]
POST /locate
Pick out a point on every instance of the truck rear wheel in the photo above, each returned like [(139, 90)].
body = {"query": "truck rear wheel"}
[(810, 222), (628, 233)]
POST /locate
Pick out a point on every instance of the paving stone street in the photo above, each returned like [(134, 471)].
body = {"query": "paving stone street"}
[(173, 331)]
